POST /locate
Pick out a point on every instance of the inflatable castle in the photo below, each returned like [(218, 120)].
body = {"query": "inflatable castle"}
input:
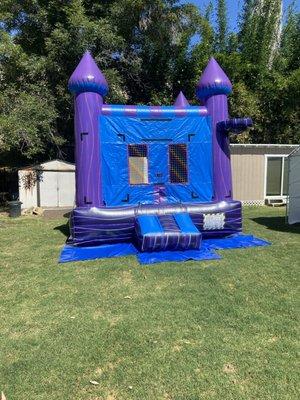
[(158, 177)]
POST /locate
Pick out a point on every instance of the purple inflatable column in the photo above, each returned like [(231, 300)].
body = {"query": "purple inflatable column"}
[(213, 88), (89, 85)]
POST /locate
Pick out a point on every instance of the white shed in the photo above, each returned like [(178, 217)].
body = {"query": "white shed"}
[(50, 184), (293, 208)]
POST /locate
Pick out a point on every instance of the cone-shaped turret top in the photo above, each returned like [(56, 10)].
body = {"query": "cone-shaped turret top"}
[(87, 77), (213, 81), (181, 101)]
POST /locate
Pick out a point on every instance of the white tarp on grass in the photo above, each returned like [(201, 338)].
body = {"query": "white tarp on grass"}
[(294, 187)]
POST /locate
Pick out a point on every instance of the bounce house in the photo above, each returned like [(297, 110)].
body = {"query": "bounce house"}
[(153, 180)]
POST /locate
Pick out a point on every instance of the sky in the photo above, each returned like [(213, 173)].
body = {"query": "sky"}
[(234, 7)]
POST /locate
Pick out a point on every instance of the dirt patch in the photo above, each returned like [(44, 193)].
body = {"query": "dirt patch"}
[(229, 369), (98, 314), (99, 371), (176, 348), (273, 339), (111, 396), (126, 277), (57, 213)]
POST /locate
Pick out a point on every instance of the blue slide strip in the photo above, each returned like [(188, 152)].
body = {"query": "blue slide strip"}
[(185, 223), (149, 224)]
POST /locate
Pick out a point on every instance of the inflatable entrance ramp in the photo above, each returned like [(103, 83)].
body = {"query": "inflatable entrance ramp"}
[(166, 232)]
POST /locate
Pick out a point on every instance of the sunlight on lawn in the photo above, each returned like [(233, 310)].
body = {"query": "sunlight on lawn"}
[(199, 330)]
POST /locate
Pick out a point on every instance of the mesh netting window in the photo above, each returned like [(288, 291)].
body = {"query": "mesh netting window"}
[(178, 163), (138, 164)]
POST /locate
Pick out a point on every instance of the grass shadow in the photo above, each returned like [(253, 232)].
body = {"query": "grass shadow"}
[(64, 229), (277, 224)]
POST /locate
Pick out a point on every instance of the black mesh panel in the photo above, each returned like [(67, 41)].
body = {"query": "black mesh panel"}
[(178, 163)]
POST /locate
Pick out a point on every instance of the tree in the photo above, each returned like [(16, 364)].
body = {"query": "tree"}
[(204, 48), (141, 47), (157, 34), (260, 31), (290, 44), (222, 28), (27, 110), (245, 102), (27, 121), (149, 50), (41, 44)]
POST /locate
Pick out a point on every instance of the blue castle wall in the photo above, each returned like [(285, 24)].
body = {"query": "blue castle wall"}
[(117, 132)]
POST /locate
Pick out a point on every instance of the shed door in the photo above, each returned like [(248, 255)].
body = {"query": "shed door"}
[(57, 189), (66, 189), (48, 189)]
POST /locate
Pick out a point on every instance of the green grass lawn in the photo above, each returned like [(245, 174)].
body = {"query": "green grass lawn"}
[(223, 329)]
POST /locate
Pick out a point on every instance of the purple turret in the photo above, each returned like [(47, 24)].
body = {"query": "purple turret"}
[(181, 101), (89, 86), (213, 88)]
